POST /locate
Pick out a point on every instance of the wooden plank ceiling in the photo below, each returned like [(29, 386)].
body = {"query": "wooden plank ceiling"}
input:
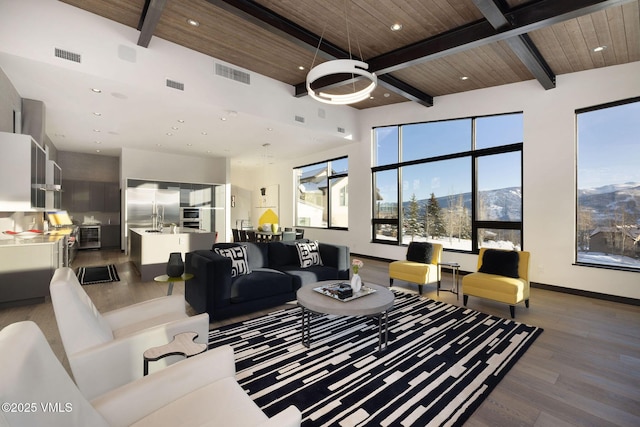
[(444, 46)]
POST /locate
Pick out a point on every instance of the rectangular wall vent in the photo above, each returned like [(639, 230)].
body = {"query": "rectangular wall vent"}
[(340, 130), (69, 56), (299, 119), (175, 85), (233, 74)]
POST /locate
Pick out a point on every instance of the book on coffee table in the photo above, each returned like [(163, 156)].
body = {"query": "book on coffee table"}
[(342, 291)]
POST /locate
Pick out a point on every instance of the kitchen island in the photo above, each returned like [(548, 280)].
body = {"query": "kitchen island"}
[(149, 250), (28, 263)]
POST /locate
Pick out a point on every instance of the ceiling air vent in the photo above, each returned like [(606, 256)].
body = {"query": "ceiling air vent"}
[(233, 74), (299, 119), (340, 130), (175, 85), (69, 56)]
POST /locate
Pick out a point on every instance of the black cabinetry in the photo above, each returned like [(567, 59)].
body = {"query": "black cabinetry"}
[(110, 236), (90, 196)]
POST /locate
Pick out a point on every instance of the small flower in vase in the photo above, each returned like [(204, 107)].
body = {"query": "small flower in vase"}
[(356, 264)]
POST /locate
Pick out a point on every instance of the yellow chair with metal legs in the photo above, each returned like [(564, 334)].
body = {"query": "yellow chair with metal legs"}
[(421, 265), (502, 276)]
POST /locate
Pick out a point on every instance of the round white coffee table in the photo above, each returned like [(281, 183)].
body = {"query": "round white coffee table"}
[(376, 304)]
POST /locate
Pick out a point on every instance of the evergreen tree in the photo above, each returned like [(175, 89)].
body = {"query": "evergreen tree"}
[(434, 221), (412, 223)]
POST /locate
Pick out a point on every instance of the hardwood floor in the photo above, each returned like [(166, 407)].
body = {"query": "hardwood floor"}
[(584, 370)]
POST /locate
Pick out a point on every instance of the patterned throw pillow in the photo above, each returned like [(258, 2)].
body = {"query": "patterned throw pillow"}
[(238, 255), (309, 254)]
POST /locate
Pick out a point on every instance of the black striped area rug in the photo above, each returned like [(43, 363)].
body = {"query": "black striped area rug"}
[(103, 274), (440, 364)]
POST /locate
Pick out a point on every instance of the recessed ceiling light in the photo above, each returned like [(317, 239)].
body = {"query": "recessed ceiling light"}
[(97, 151), (169, 134), (372, 97), (193, 22), (269, 129), (180, 121), (600, 48), (96, 130), (158, 145), (386, 95), (203, 133), (189, 145), (301, 68), (96, 90), (464, 78), (175, 127), (97, 142), (95, 113), (396, 27)]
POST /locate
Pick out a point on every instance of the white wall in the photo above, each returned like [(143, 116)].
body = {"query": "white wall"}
[(159, 166), (549, 172)]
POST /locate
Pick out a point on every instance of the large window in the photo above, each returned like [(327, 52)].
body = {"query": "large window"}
[(455, 182), (608, 185), (323, 194)]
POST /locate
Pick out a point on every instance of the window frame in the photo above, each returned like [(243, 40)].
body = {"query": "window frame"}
[(577, 189), (330, 177), (474, 155)]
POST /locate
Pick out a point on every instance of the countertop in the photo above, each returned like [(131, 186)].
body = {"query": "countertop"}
[(167, 230), (38, 239)]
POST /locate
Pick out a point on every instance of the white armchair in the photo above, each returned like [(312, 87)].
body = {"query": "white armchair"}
[(105, 350), (199, 391)]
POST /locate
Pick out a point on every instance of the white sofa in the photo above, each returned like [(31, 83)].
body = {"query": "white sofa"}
[(105, 350), (199, 391)]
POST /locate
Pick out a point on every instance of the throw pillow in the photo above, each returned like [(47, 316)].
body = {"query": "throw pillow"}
[(309, 254), (238, 255), (504, 263), (420, 252)]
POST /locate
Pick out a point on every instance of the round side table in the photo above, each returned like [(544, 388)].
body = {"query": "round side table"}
[(171, 280)]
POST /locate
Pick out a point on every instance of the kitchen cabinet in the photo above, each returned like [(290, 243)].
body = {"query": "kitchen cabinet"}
[(111, 197), (38, 175), (27, 269), (90, 196), (196, 195), (22, 172), (53, 196), (110, 236)]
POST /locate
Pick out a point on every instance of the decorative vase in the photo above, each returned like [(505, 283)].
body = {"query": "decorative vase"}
[(356, 282), (274, 228), (175, 266)]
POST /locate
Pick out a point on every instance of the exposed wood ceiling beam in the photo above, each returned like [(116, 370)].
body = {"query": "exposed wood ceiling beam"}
[(529, 17), (522, 45), (271, 21), (149, 20)]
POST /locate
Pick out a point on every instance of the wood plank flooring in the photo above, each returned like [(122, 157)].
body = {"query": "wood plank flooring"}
[(584, 370)]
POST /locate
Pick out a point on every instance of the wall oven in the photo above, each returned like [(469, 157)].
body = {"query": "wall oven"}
[(190, 217)]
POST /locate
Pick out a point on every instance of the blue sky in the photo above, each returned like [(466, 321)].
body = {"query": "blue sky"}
[(609, 146)]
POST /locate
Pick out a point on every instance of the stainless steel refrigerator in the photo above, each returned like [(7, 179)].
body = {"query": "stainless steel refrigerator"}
[(143, 202)]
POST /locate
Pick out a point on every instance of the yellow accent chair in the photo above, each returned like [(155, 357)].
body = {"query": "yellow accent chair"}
[(502, 276), (417, 268)]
